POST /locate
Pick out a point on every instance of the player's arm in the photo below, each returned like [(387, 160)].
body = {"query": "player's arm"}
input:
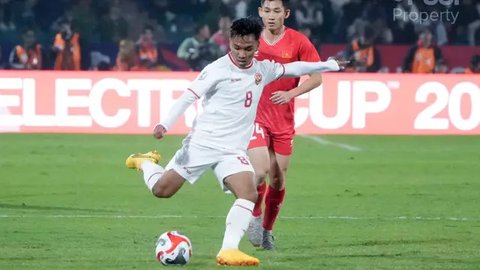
[(300, 68), (283, 97), (201, 85), (176, 111), (297, 69)]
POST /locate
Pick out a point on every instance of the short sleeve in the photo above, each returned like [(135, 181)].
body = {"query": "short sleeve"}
[(204, 82), (307, 52), (273, 70)]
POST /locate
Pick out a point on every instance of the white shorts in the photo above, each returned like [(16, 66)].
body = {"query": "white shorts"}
[(192, 160)]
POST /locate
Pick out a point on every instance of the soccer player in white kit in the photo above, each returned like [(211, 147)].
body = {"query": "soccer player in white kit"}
[(231, 86)]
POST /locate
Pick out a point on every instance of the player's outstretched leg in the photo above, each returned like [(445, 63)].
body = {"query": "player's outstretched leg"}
[(146, 162)]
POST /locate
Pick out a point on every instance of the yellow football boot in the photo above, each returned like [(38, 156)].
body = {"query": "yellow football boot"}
[(134, 161), (234, 257)]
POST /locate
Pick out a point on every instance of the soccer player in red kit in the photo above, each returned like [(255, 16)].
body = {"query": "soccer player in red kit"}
[(271, 144)]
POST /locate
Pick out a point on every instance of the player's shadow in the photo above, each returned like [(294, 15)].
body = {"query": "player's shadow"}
[(24, 206)]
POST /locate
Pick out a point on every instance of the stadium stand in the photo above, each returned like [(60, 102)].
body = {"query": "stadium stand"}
[(103, 24)]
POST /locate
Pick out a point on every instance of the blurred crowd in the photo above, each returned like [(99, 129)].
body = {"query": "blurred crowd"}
[(187, 35)]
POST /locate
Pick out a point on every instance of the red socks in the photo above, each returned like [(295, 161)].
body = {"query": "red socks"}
[(273, 202), (257, 210)]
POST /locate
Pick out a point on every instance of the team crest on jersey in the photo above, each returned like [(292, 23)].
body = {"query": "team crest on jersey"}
[(286, 54), (258, 78)]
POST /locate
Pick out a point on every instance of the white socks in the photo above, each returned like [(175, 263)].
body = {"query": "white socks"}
[(151, 173), (237, 223)]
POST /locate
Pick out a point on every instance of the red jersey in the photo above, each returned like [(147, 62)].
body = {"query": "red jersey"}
[(292, 46)]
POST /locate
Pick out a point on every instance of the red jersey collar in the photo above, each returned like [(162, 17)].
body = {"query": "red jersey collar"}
[(282, 35)]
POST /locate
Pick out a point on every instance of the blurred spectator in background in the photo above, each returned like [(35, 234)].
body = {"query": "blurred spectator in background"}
[(441, 66), (315, 15), (67, 48), (403, 27), (308, 14), (67, 16), (165, 14), (199, 50), (352, 10), (222, 36), (99, 61), (214, 10), (440, 32), (313, 39), (373, 14), (362, 54), (468, 14), (127, 56), (25, 15), (401, 14), (113, 26), (162, 10), (6, 15), (474, 65), (474, 27), (347, 14), (27, 55), (103, 66), (241, 8), (85, 20), (424, 56), (102, 24), (146, 49)]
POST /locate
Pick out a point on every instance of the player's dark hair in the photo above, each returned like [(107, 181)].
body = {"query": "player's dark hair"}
[(286, 3), (246, 26)]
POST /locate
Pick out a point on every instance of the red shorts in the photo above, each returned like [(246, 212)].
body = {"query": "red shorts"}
[(280, 142)]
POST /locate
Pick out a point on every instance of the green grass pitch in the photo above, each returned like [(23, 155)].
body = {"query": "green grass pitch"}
[(68, 202)]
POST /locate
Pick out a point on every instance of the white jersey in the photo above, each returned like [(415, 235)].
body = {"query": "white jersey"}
[(231, 99)]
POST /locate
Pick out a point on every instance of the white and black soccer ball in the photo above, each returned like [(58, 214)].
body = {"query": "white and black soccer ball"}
[(173, 248)]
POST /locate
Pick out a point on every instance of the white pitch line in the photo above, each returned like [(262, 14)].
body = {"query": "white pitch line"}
[(327, 142), (411, 218)]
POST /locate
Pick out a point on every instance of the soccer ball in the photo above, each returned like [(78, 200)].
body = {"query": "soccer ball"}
[(173, 248)]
